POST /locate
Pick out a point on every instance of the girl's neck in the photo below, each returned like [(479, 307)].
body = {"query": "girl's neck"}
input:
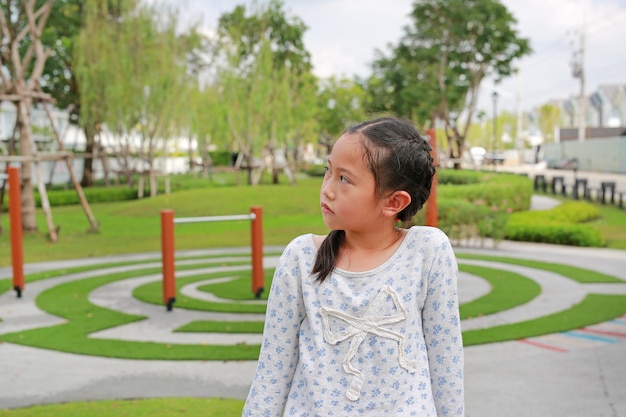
[(365, 252)]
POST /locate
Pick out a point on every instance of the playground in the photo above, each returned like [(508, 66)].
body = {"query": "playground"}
[(540, 321)]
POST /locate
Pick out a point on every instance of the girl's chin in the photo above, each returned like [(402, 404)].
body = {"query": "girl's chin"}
[(328, 222)]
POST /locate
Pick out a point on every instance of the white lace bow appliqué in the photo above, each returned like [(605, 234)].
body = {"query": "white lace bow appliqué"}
[(358, 328)]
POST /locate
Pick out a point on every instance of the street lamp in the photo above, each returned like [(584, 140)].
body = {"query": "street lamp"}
[(494, 96)]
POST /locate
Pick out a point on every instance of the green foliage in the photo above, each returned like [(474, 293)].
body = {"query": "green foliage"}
[(459, 177), (340, 105), (93, 195), (60, 34), (561, 234), (265, 82), (316, 171), (506, 192), (565, 224), (221, 158), (449, 44), (246, 29), (474, 204)]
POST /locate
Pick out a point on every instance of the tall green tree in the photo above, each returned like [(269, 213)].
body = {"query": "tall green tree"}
[(436, 70), (132, 70), (341, 104), (266, 82), (246, 29), (63, 33)]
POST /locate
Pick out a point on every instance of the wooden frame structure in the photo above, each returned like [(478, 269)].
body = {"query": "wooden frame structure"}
[(36, 157)]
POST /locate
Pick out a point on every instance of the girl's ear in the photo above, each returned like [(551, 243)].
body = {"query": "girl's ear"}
[(396, 202)]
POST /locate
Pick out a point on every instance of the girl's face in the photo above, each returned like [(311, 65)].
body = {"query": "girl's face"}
[(348, 194)]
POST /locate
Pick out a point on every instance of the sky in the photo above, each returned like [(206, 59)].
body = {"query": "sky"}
[(343, 36)]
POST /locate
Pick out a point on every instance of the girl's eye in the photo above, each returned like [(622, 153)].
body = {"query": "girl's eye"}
[(342, 178), (326, 170)]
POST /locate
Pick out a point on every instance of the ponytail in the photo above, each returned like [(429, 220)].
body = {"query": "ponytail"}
[(327, 254)]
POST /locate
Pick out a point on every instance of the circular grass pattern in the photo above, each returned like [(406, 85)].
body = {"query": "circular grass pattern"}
[(70, 300)]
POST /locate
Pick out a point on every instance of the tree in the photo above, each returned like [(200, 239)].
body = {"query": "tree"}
[(23, 56), (67, 20), (60, 33), (549, 120), (131, 64), (443, 57), (265, 80), (341, 104)]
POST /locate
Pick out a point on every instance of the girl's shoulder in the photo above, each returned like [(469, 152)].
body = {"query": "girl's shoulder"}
[(306, 244), (427, 232), (428, 236)]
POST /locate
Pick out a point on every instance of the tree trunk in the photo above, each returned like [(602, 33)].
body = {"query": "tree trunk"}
[(29, 220), (90, 140)]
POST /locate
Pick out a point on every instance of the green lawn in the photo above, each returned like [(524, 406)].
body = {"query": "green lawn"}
[(170, 407), (134, 226)]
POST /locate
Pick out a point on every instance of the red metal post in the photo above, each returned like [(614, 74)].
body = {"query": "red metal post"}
[(431, 205), (257, 250), (15, 216), (167, 249)]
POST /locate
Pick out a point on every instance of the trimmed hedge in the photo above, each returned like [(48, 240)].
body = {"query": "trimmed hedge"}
[(564, 225), (508, 192)]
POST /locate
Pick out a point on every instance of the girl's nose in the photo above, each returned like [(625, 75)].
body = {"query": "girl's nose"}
[(326, 190)]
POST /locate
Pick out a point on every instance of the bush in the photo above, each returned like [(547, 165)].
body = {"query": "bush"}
[(221, 158), (316, 170), (562, 225), (464, 220), (561, 234), (458, 176), (506, 192), (93, 195)]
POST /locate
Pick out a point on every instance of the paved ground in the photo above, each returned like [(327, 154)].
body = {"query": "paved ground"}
[(580, 373)]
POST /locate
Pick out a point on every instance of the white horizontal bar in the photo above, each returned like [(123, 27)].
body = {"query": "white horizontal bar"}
[(250, 216)]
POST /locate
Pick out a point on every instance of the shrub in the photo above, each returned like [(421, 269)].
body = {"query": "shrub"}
[(561, 234), (507, 192), (316, 170), (564, 224), (93, 195), (458, 176), (464, 220), (221, 158)]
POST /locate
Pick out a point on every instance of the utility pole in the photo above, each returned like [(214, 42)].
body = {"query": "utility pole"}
[(578, 71), (519, 140)]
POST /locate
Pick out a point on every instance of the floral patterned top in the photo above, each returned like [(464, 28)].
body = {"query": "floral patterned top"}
[(381, 342)]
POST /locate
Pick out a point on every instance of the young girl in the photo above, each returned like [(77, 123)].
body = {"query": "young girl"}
[(365, 321)]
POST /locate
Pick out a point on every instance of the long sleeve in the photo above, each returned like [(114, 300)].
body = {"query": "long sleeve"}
[(279, 352), (442, 332)]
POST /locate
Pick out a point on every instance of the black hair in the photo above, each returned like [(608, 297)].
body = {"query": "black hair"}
[(399, 159)]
